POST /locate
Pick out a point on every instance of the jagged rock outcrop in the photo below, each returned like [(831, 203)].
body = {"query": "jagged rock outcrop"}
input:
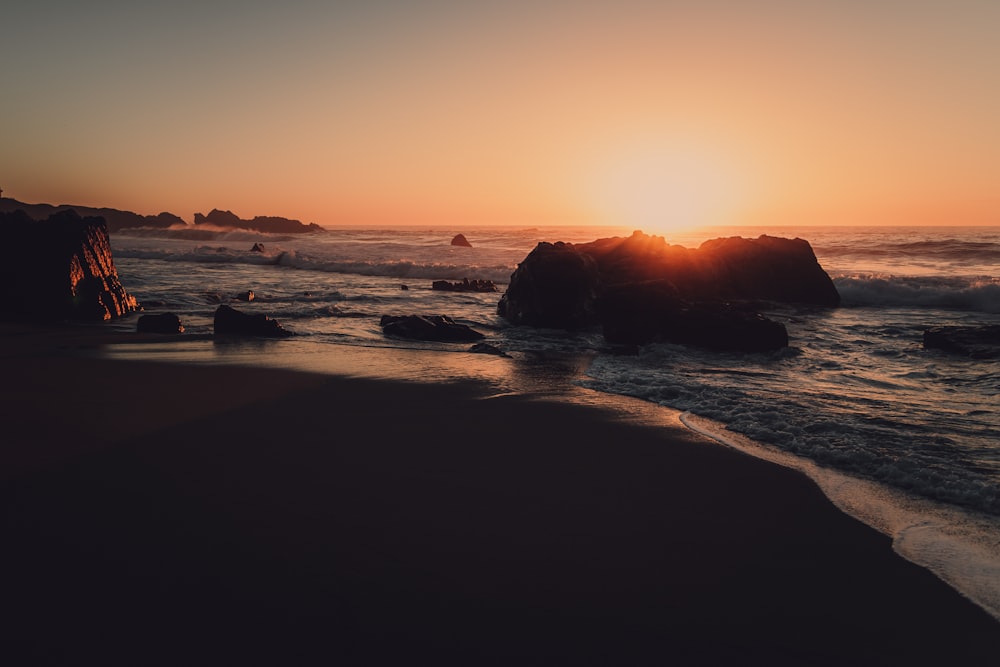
[(59, 268), (982, 342), (439, 328), (261, 223), (460, 240), (465, 285), (640, 289), (231, 322)]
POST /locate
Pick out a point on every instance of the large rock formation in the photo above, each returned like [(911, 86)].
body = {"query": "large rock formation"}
[(640, 289), (59, 268), (118, 220), (556, 286), (261, 223), (640, 313), (115, 219)]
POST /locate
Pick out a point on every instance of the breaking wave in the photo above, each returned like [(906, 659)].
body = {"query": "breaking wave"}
[(970, 293)]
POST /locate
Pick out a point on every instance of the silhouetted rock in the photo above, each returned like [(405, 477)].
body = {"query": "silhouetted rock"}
[(982, 342), (486, 348), (770, 269), (261, 223), (115, 219), (231, 322), (465, 285), (641, 289), (649, 314), (59, 268), (166, 323), (438, 328), (460, 240), (735, 268), (555, 286), (218, 218)]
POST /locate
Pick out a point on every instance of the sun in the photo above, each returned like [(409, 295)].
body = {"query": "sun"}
[(666, 188)]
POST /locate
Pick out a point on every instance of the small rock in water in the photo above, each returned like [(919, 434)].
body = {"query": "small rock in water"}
[(465, 285), (167, 323), (460, 240), (439, 328), (229, 321), (973, 342), (486, 348)]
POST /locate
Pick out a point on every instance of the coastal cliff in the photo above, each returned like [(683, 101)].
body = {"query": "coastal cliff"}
[(59, 268)]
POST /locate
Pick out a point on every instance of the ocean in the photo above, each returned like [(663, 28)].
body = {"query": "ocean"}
[(905, 439)]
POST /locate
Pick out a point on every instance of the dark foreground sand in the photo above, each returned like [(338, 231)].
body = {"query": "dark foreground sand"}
[(165, 514)]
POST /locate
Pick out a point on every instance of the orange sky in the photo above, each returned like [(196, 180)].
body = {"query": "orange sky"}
[(645, 114)]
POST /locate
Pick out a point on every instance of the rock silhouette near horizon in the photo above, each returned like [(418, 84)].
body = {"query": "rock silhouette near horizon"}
[(261, 223), (118, 220), (115, 219), (640, 289)]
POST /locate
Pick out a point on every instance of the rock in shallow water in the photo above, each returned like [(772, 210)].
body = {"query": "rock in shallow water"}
[(231, 322), (973, 342), (465, 285), (460, 240), (167, 323), (439, 328), (640, 289)]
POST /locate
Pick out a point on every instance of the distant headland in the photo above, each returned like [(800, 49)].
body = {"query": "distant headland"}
[(118, 220)]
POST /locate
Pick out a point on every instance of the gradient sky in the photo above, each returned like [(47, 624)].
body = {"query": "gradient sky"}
[(647, 114)]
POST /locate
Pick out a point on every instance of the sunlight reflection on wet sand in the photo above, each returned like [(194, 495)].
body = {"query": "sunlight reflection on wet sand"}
[(519, 373)]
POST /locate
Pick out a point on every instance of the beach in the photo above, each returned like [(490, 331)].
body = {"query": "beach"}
[(168, 513)]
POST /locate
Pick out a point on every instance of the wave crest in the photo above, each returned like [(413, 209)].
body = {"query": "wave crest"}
[(977, 294)]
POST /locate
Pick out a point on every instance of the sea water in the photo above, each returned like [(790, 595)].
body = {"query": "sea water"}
[(904, 438)]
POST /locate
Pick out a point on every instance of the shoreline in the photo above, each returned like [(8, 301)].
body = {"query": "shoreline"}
[(958, 546), (267, 513)]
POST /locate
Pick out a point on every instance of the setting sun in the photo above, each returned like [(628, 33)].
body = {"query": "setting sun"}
[(667, 186), (644, 114)]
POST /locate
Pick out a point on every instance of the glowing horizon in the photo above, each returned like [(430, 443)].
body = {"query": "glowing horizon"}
[(629, 114)]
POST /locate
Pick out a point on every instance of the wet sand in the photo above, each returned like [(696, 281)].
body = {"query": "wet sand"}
[(172, 514)]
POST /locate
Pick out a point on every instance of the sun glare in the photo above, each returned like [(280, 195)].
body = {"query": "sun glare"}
[(666, 189)]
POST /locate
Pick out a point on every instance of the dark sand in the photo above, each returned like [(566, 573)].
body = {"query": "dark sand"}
[(191, 515)]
